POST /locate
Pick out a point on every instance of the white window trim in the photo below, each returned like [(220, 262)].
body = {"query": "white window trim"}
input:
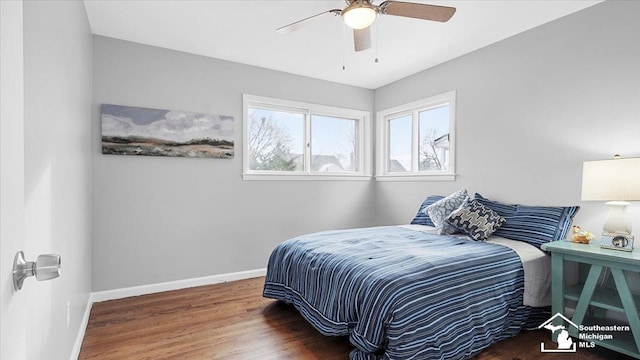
[(364, 143), (382, 159)]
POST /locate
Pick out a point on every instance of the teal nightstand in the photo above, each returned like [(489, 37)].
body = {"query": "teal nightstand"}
[(599, 298)]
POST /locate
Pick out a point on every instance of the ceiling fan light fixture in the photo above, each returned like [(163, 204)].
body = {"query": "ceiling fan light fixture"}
[(359, 15)]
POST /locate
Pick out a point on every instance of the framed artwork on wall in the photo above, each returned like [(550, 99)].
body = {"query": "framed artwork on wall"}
[(153, 132)]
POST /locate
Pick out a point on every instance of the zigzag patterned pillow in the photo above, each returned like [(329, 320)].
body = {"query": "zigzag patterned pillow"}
[(475, 220)]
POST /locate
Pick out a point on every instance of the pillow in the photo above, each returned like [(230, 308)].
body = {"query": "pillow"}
[(534, 225), (422, 218), (475, 220), (439, 210)]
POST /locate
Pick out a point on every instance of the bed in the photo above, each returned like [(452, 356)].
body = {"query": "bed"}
[(406, 292)]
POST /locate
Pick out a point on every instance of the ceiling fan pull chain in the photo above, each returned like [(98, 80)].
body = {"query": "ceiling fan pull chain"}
[(376, 25), (343, 45)]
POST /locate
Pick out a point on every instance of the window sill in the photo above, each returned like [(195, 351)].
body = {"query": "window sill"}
[(306, 177), (416, 177)]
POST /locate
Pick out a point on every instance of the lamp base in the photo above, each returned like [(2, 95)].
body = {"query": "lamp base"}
[(617, 219)]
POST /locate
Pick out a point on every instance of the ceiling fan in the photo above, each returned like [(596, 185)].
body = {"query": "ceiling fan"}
[(360, 14)]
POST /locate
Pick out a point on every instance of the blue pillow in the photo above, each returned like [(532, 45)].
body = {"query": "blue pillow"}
[(534, 225), (422, 218)]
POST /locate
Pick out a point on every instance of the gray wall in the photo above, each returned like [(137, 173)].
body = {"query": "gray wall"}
[(57, 100), (531, 109), (160, 219)]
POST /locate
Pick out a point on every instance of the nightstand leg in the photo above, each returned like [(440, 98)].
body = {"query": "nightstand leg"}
[(587, 292), (557, 290), (628, 304)]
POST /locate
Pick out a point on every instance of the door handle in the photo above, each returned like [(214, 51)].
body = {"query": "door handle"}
[(46, 267)]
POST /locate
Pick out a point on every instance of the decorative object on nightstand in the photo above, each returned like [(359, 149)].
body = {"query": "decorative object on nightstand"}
[(581, 236), (617, 241), (616, 181)]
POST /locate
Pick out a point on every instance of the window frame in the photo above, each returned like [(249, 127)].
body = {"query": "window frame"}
[(383, 117), (363, 139)]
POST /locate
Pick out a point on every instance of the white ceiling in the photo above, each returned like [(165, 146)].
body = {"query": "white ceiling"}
[(244, 32)]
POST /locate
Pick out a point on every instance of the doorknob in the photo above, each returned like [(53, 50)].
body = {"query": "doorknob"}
[(46, 267)]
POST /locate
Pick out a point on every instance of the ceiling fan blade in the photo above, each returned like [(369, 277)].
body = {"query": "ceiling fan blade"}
[(417, 11), (362, 39), (308, 21)]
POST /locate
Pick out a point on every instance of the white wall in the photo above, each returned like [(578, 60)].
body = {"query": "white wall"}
[(160, 219), (58, 62), (530, 110)]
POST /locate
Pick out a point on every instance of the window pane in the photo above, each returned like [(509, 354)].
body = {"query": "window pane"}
[(276, 140), (400, 144), (434, 139), (333, 144)]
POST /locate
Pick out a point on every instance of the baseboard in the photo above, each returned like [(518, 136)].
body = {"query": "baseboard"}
[(75, 352), (173, 285)]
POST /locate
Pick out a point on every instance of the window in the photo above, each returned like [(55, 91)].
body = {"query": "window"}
[(416, 141), (291, 140)]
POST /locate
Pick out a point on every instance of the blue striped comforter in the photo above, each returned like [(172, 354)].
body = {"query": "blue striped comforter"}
[(400, 293)]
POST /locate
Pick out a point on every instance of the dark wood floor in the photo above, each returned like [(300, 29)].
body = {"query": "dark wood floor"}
[(233, 321)]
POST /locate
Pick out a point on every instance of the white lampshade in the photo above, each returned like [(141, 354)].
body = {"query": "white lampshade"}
[(359, 15), (616, 181), (611, 180)]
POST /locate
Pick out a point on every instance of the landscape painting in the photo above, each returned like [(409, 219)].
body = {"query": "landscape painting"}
[(139, 131)]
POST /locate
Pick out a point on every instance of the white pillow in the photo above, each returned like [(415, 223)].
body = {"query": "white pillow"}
[(439, 210)]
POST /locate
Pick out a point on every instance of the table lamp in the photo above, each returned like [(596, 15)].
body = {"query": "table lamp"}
[(616, 181)]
